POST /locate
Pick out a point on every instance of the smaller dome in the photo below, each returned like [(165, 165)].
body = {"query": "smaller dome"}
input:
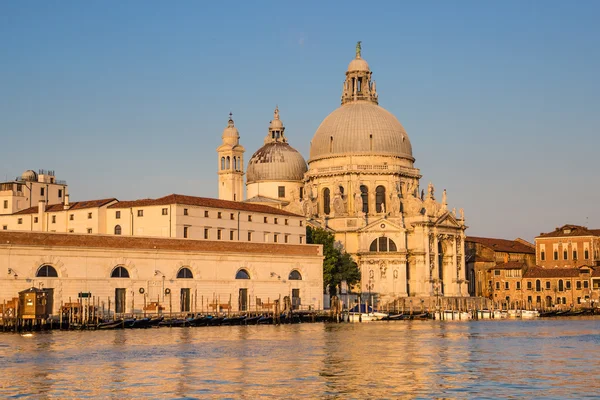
[(29, 176), (358, 64), (230, 131), (276, 124), (276, 161)]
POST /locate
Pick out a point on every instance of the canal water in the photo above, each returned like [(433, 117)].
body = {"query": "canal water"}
[(547, 358)]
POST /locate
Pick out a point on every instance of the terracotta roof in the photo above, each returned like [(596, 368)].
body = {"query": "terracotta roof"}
[(573, 230), (75, 205), (47, 239), (540, 272), (509, 265), (203, 202), (503, 245)]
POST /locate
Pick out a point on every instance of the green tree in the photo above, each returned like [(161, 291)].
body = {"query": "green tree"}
[(338, 265)]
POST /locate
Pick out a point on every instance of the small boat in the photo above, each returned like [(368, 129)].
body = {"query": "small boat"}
[(198, 320), (141, 323), (499, 314), (394, 317), (265, 319), (484, 314), (451, 315), (550, 313), (234, 320), (110, 324), (252, 320), (153, 322), (174, 323), (514, 313), (128, 323), (527, 314), (363, 314)]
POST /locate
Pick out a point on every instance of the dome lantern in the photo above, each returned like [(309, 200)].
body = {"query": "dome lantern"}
[(358, 84)]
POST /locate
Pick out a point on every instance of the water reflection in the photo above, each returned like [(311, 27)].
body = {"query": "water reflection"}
[(377, 360)]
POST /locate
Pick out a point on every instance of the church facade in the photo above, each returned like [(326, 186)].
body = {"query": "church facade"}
[(361, 184)]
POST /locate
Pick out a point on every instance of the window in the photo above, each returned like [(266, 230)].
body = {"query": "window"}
[(568, 285), (165, 211), (555, 254), (205, 233), (71, 230), (249, 218), (230, 235), (281, 191), (265, 220), (287, 222), (185, 231), (578, 285), (383, 244), (579, 300), (54, 219), (586, 254), (547, 285), (71, 217), (205, 214), (301, 193), (222, 162), (35, 220), (117, 214), (5, 203), (301, 239), (326, 201), (301, 223), (89, 230), (46, 271), (497, 272), (529, 299), (380, 199), (117, 229), (295, 276), (538, 286), (42, 191), (275, 238), (364, 193), (20, 221), (219, 215), (586, 284), (506, 285), (286, 238), (185, 273), (275, 221), (561, 285), (218, 234), (59, 192), (518, 285), (249, 236), (574, 254), (242, 274), (529, 285), (140, 213), (565, 255), (89, 215), (543, 255), (185, 211), (497, 285), (231, 216), (120, 272)]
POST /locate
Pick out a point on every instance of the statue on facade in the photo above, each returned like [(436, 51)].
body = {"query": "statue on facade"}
[(358, 49), (430, 191), (307, 208), (395, 202), (462, 214), (422, 194), (338, 202), (444, 198), (454, 212), (358, 202), (382, 207)]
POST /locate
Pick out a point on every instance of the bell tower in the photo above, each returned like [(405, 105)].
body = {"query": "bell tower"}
[(231, 164)]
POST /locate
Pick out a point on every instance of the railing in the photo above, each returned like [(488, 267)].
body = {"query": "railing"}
[(372, 167)]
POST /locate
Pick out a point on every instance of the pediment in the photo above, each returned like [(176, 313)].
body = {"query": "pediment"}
[(382, 225), (447, 220)]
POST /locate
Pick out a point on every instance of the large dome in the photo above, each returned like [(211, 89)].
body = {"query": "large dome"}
[(360, 127), (276, 161)]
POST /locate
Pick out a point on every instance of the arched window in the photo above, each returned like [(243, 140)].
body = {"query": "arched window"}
[(543, 255), (379, 198), (222, 162), (227, 163), (561, 286), (46, 271), (185, 273), (295, 276), (242, 274), (235, 168), (120, 272), (383, 244), (364, 192), (538, 286), (326, 201), (117, 229)]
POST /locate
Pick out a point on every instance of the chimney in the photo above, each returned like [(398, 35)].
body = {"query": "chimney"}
[(41, 214), (506, 258), (66, 204)]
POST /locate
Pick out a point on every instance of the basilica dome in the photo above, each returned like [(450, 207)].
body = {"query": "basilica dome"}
[(276, 160), (360, 126)]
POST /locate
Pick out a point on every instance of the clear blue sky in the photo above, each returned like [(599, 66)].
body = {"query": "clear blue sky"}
[(129, 99)]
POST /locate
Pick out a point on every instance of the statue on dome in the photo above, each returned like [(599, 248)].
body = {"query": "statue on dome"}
[(462, 214), (430, 191), (358, 48), (276, 113)]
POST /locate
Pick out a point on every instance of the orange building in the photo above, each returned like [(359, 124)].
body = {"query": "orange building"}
[(568, 246)]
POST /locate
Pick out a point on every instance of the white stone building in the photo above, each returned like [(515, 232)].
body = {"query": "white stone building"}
[(362, 185), (181, 275)]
